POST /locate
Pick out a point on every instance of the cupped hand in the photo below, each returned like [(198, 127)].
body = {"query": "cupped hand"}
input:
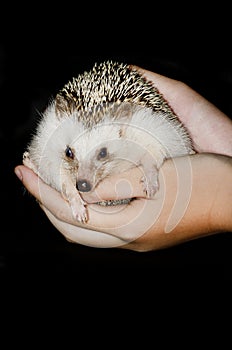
[(187, 187)]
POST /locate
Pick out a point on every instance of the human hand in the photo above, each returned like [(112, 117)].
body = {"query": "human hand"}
[(150, 224), (194, 200)]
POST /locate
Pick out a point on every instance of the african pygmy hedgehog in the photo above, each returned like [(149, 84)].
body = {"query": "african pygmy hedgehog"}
[(103, 122)]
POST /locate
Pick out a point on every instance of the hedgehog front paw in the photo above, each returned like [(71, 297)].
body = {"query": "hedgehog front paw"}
[(27, 161), (79, 210), (150, 184)]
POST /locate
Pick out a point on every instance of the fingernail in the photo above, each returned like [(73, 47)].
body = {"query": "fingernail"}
[(18, 173)]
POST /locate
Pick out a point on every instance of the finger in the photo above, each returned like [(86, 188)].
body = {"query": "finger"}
[(84, 236), (125, 185)]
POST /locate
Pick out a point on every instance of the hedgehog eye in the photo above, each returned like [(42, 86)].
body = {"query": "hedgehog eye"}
[(69, 153), (102, 153)]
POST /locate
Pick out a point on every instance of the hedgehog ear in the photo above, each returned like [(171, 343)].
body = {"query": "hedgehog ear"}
[(63, 106)]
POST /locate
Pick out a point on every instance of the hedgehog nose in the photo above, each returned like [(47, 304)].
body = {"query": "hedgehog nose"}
[(83, 186)]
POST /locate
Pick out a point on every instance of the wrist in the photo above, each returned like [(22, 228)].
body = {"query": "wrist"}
[(221, 213)]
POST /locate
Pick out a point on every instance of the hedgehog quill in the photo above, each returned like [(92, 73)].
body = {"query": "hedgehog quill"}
[(103, 122)]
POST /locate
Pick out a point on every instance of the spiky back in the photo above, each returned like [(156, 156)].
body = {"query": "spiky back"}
[(111, 82)]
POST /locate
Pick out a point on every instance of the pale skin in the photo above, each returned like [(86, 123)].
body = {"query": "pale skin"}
[(195, 195)]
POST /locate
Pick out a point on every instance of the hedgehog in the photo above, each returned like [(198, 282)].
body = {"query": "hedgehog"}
[(103, 122)]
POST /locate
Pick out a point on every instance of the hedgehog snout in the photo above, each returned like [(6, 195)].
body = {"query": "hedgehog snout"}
[(83, 185)]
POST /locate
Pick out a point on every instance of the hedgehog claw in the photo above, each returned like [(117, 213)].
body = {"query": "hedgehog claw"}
[(79, 212)]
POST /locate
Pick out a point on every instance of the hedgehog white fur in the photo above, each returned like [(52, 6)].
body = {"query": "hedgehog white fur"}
[(103, 122)]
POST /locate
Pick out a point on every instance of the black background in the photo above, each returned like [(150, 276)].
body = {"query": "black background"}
[(31, 71)]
